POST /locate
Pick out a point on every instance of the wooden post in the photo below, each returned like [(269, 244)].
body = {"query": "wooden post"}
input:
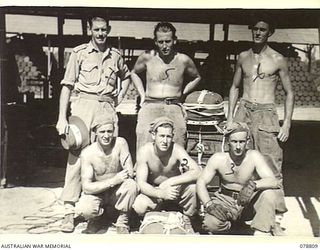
[(84, 27), (2, 48), (225, 64), (61, 47), (3, 146), (319, 35), (46, 83), (226, 32), (211, 34)]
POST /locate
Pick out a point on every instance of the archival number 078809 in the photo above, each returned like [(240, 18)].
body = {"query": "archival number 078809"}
[(308, 245)]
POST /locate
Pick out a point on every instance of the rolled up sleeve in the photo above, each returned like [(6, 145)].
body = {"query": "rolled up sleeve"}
[(72, 71)]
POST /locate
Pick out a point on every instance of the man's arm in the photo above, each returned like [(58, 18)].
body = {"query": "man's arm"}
[(268, 180), (142, 176), (124, 77), (192, 173), (289, 102), (96, 187), (124, 88), (62, 123), (125, 157), (139, 67), (205, 177), (193, 73), (234, 90), (70, 78)]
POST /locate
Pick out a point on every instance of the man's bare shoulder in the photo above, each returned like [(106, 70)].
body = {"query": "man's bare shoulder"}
[(245, 54), (253, 154), (89, 150), (218, 157), (146, 149), (178, 148), (275, 55), (147, 55), (120, 141), (183, 58)]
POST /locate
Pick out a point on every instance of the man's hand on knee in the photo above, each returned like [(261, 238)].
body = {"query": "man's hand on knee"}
[(217, 210), (170, 193), (121, 177), (246, 193)]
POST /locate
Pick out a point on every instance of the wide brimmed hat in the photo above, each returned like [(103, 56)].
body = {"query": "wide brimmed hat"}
[(78, 135)]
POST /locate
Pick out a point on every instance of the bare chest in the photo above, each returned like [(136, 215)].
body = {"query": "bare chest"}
[(233, 173), (259, 68), (159, 169), (158, 71), (106, 164)]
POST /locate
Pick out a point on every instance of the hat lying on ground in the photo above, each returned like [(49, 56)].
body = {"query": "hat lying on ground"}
[(158, 122), (78, 135), (236, 127)]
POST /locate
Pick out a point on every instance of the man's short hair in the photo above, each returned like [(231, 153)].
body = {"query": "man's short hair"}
[(165, 27), (161, 122), (100, 17), (262, 18)]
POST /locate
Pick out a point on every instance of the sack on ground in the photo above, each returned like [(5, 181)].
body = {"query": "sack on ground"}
[(165, 223)]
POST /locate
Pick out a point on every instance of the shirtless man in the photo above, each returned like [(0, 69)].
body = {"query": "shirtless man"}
[(106, 175), (260, 69), (165, 172), (236, 169), (165, 70)]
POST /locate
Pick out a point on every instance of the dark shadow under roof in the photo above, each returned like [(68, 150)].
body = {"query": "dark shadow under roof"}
[(283, 18)]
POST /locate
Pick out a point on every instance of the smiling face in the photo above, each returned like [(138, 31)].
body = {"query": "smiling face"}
[(105, 134), (164, 42), (261, 32), (163, 138), (99, 32), (237, 143)]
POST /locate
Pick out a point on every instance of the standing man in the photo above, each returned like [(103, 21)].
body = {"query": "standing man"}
[(166, 71), (260, 69), (165, 172), (92, 73), (106, 174), (238, 189)]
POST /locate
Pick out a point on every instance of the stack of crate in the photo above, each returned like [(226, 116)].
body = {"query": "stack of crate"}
[(302, 80), (30, 76)]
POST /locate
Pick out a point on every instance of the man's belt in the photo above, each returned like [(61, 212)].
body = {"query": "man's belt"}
[(96, 97), (228, 192), (257, 106), (167, 101)]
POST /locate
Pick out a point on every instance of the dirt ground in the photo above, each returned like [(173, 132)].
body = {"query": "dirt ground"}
[(33, 206)]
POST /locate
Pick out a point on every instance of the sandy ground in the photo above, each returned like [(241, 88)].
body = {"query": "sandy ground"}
[(36, 210)]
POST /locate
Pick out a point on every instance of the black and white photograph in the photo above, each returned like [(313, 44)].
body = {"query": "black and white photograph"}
[(187, 123)]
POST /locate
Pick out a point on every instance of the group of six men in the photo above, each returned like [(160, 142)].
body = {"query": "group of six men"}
[(104, 170)]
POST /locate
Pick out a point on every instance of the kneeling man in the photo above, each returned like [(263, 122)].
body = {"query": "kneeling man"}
[(245, 178), (106, 175), (165, 172)]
